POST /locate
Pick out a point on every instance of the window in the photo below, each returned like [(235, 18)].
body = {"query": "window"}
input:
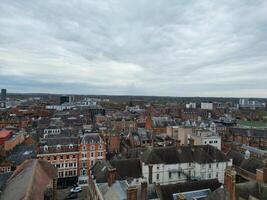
[(189, 173), (179, 174), (157, 176), (92, 147), (58, 147), (61, 157), (84, 164), (170, 175), (84, 147), (84, 155), (210, 142), (217, 174), (67, 156), (71, 146), (215, 141), (92, 162), (157, 166), (209, 165), (100, 146), (217, 165), (209, 175), (92, 154), (205, 142), (45, 148)]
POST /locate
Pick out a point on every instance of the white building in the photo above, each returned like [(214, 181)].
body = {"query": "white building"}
[(191, 105), (205, 137), (248, 104), (207, 105), (166, 165)]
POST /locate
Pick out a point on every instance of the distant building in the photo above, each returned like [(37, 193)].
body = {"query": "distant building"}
[(3, 95), (206, 137), (180, 133), (206, 105), (252, 105), (191, 105), (66, 99)]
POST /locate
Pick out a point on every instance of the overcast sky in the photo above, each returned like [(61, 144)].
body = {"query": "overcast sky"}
[(134, 47)]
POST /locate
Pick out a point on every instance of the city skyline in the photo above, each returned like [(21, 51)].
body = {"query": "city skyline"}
[(159, 48)]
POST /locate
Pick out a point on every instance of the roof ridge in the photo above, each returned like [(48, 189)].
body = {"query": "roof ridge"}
[(31, 179)]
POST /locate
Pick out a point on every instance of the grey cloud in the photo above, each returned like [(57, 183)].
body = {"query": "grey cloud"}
[(159, 47)]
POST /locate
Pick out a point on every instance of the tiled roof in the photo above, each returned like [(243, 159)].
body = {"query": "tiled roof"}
[(30, 180)]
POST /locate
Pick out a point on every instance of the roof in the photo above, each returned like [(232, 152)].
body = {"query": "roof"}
[(30, 180), (100, 169), (185, 154), (91, 138), (166, 191), (251, 188), (5, 133), (220, 193), (123, 166), (236, 156), (250, 164)]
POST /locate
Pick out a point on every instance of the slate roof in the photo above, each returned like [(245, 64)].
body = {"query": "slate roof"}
[(166, 191), (236, 156), (250, 164), (126, 168), (251, 188), (91, 138), (187, 154)]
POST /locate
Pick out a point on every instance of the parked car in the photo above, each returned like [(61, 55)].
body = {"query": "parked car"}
[(76, 189)]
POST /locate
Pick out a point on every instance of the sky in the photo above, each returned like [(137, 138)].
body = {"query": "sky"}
[(140, 47)]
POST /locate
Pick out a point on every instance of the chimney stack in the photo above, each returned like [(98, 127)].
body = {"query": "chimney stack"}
[(111, 176), (230, 181), (144, 191), (132, 193), (150, 173)]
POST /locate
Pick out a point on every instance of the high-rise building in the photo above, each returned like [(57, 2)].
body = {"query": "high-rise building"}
[(66, 99), (3, 94)]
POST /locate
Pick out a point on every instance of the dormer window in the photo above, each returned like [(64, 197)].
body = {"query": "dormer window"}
[(45, 147), (100, 146), (71, 146), (58, 147)]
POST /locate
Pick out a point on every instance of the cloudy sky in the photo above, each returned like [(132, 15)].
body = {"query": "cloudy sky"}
[(140, 47)]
